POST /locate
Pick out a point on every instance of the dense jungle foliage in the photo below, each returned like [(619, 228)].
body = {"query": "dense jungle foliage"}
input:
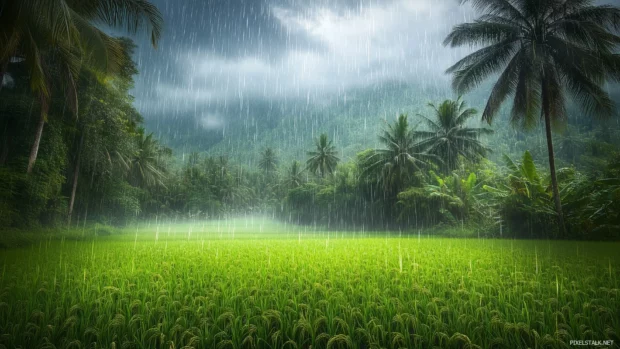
[(101, 166), (77, 153)]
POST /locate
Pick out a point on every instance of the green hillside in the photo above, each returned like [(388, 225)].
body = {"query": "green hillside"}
[(352, 119)]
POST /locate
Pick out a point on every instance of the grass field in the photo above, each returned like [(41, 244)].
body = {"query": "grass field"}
[(263, 285)]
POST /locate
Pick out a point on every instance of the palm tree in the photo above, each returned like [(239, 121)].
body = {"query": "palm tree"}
[(541, 49), (145, 164), (268, 161), (56, 38), (449, 137), (294, 177), (323, 160), (395, 165)]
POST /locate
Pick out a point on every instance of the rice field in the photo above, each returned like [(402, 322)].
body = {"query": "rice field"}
[(193, 286)]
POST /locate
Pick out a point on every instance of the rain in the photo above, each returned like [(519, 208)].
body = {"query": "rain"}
[(318, 174)]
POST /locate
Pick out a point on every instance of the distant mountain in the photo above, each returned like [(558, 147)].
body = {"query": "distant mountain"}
[(352, 119)]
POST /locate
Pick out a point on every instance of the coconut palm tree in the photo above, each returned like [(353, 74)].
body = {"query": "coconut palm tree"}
[(145, 164), (268, 161), (395, 165), (56, 39), (448, 137), (542, 50), (294, 175), (323, 160)]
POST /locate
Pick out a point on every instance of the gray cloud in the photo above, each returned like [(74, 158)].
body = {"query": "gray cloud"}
[(223, 52)]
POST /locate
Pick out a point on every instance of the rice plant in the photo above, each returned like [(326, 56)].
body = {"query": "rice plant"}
[(208, 290)]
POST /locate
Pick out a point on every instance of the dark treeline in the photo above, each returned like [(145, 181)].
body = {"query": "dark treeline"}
[(75, 153)]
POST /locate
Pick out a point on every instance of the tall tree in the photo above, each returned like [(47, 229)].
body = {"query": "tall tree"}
[(449, 137), (268, 160), (102, 101), (541, 49), (57, 38), (294, 175), (76, 175), (323, 160), (145, 162), (395, 165)]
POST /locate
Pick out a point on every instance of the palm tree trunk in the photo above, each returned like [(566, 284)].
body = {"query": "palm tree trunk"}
[(37, 141), (3, 68), (76, 173), (554, 179), (5, 143)]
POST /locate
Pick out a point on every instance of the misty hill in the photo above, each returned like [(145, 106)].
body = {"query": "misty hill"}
[(352, 119)]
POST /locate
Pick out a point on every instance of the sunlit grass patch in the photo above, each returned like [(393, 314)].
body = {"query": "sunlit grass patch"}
[(294, 290)]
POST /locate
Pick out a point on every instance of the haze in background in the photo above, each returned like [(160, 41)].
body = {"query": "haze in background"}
[(234, 77), (261, 61)]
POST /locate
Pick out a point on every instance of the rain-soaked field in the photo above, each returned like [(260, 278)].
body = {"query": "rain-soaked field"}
[(224, 286)]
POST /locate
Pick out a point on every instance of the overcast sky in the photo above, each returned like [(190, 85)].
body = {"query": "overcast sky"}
[(219, 52)]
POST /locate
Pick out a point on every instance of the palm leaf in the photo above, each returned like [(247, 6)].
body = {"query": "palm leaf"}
[(481, 32), (475, 68)]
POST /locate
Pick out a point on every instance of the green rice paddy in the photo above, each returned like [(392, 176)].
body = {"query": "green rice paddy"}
[(267, 286)]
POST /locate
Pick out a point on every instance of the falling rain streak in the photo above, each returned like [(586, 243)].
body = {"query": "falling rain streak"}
[(318, 174)]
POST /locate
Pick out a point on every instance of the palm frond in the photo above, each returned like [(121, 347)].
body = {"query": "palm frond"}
[(430, 123), (481, 32), (505, 85), (553, 102), (465, 115), (584, 87), (104, 54), (132, 15), (478, 66), (526, 105), (589, 35), (499, 7), (593, 64), (38, 77), (606, 15)]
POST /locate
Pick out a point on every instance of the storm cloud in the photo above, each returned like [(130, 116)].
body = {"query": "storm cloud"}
[(223, 52)]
